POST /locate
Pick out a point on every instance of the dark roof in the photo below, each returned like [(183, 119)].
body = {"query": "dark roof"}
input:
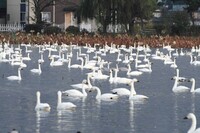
[(70, 8)]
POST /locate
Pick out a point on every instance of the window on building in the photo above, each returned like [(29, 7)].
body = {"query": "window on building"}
[(22, 7), (23, 1), (22, 16)]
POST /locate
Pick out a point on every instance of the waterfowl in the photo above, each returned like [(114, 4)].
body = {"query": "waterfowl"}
[(133, 95), (37, 70), (64, 105), (193, 128), (193, 89), (105, 96), (41, 106), (18, 77), (76, 93)]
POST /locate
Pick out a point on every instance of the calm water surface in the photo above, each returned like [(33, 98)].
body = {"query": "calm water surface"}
[(163, 112)]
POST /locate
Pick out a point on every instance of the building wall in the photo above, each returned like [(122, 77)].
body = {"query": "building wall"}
[(13, 11)]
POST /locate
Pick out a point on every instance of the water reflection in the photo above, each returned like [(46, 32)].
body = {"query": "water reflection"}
[(40, 115), (65, 120), (131, 115)]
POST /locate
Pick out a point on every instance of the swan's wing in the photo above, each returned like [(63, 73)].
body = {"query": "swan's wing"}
[(197, 90), (72, 92), (197, 130), (120, 91)]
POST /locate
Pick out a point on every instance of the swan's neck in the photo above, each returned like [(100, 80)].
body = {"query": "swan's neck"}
[(132, 92), (116, 72), (98, 93), (69, 63), (193, 126), (49, 53), (38, 98), (191, 59), (83, 91), (82, 63), (177, 73), (59, 98), (19, 74), (111, 76), (193, 86), (39, 67), (175, 83), (52, 61), (88, 81), (129, 69)]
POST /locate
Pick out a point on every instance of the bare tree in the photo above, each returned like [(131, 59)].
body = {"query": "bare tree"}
[(38, 6)]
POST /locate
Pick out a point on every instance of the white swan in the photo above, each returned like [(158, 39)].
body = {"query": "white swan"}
[(41, 106), (64, 105), (37, 71), (133, 73), (99, 75), (120, 80), (87, 86), (55, 63), (75, 65), (149, 70), (121, 91), (180, 88), (197, 90), (16, 77), (194, 123), (133, 95), (76, 93), (105, 96)]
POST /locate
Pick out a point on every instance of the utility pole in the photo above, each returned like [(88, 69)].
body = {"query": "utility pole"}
[(54, 12)]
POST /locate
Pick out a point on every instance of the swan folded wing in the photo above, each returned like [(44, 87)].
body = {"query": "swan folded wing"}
[(43, 107), (72, 93), (66, 105), (109, 96), (181, 89), (120, 91), (138, 97)]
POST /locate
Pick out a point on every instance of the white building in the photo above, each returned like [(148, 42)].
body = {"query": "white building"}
[(18, 11)]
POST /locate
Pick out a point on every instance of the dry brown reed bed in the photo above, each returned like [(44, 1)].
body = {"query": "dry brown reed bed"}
[(152, 41)]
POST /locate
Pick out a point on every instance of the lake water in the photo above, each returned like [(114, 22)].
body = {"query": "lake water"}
[(163, 112)]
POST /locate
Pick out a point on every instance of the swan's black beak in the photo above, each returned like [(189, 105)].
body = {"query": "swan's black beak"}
[(185, 118)]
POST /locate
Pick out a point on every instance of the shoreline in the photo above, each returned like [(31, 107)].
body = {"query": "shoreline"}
[(119, 39)]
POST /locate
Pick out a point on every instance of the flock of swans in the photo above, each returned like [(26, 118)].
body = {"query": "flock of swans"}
[(136, 61)]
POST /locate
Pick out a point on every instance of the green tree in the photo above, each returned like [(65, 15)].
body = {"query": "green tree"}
[(193, 5), (180, 23)]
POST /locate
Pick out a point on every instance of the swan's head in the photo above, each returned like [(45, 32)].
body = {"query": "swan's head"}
[(190, 116), (59, 93), (84, 81), (191, 80), (135, 80), (38, 93)]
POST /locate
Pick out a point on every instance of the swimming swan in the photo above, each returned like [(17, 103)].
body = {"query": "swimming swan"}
[(133, 95), (64, 105), (197, 90), (180, 88), (37, 71), (105, 96), (16, 77), (41, 106), (76, 93), (194, 123)]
